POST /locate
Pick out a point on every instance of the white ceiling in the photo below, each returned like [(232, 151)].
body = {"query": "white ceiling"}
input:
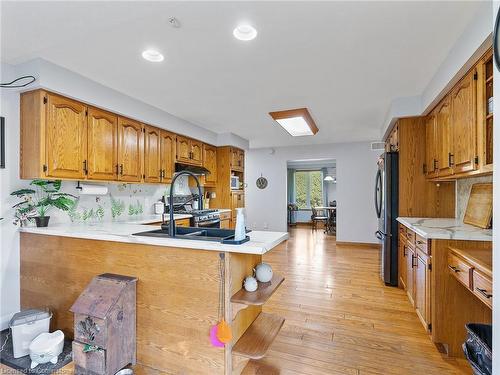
[(345, 61)]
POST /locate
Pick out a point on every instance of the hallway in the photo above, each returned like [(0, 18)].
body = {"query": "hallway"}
[(341, 319)]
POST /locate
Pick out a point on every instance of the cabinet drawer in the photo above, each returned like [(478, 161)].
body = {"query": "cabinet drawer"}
[(461, 270), (225, 215), (90, 330), (410, 236), (483, 288), (93, 362), (421, 243)]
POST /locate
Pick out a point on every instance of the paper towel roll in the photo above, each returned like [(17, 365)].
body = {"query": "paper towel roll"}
[(86, 189)]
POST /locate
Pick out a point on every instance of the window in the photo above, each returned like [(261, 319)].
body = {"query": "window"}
[(308, 189)]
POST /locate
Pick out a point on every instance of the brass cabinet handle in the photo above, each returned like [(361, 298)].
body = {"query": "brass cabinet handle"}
[(453, 268), (484, 293)]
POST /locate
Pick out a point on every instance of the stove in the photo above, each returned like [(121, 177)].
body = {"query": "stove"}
[(203, 218)]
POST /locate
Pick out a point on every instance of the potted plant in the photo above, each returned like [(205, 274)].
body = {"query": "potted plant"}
[(37, 201)]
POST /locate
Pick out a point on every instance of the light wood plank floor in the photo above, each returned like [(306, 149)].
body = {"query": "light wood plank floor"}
[(341, 319)]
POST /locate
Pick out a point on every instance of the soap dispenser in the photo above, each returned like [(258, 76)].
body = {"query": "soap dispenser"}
[(240, 230)]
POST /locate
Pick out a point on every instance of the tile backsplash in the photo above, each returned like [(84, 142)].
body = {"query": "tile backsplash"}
[(463, 191), (122, 201)]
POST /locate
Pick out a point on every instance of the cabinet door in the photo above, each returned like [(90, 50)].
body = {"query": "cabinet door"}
[(443, 124), (183, 149), (130, 150), (210, 162), (431, 146), (410, 255), (225, 224), (422, 287), (402, 263), (167, 150), (152, 157), (66, 138), (241, 159), (196, 152), (102, 135), (236, 159), (463, 122)]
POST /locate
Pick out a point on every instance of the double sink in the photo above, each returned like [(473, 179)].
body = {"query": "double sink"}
[(191, 233)]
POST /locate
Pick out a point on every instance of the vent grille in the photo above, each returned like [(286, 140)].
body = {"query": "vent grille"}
[(377, 146)]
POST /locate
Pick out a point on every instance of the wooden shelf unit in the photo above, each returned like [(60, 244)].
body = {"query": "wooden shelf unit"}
[(261, 295), (256, 340)]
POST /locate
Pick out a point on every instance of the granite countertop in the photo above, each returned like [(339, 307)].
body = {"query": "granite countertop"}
[(445, 229), (260, 242)]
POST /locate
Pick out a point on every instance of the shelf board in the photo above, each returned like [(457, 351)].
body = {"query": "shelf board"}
[(489, 116), (489, 79), (257, 339), (261, 295), (254, 367)]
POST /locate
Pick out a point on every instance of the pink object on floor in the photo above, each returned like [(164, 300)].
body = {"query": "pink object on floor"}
[(213, 337)]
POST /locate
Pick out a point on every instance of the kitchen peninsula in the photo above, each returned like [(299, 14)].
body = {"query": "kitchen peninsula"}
[(177, 290)]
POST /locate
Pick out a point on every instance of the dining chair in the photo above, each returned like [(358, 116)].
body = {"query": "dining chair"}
[(318, 217)]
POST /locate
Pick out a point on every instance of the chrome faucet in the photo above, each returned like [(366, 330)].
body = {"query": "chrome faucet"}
[(171, 224)]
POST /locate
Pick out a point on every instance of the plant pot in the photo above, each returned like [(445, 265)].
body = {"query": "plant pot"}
[(42, 221)]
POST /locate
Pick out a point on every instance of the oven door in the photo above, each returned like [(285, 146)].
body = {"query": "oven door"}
[(215, 223)]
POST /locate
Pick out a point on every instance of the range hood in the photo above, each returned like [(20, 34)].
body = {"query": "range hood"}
[(201, 171)]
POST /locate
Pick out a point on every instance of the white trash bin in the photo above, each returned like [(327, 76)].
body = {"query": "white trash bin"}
[(25, 326)]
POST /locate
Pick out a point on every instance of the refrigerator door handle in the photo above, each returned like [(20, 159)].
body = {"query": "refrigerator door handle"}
[(378, 193)]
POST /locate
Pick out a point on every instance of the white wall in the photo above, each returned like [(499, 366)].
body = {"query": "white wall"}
[(356, 168), (496, 214)]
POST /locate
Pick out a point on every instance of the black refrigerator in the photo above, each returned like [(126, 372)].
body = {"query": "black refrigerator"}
[(386, 207)]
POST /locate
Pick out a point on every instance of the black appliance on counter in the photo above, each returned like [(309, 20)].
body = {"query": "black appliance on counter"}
[(387, 209)]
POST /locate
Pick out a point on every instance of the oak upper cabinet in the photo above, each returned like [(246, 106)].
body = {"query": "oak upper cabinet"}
[(189, 151), (431, 146), (463, 122), (167, 158), (196, 152), (102, 135), (130, 150), (210, 163), (237, 159), (66, 134), (444, 134), (422, 286), (152, 156)]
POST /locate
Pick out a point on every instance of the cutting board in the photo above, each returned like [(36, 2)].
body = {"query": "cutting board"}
[(480, 206)]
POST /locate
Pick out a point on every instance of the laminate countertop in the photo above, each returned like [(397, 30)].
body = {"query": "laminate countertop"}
[(445, 229), (260, 241)]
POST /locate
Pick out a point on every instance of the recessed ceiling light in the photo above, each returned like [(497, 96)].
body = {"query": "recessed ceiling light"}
[(152, 55), (245, 32), (297, 122)]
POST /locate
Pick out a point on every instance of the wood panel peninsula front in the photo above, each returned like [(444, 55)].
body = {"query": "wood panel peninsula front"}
[(177, 290)]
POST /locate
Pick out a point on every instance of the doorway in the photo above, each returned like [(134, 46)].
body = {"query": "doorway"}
[(311, 194)]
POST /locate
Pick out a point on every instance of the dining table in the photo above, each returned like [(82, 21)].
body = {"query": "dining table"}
[(330, 224)]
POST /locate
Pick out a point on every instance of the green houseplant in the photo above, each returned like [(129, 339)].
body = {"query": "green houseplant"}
[(38, 200)]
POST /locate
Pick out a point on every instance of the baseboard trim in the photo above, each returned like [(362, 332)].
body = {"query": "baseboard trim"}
[(365, 245)]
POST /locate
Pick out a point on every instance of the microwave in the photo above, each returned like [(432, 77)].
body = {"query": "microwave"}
[(235, 182)]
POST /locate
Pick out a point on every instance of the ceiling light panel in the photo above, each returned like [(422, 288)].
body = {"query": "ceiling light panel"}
[(152, 55), (245, 32), (297, 122)]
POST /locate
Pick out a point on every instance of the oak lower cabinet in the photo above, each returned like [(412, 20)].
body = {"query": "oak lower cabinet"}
[(102, 133), (414, 274), (130, 150), (152, 155)]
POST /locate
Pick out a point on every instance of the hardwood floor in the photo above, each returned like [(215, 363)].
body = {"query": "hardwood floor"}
[(341, 319)]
